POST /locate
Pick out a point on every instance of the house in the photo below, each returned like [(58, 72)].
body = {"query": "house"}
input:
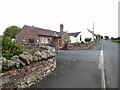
[(41, 36), (82, 36), (74, 37)]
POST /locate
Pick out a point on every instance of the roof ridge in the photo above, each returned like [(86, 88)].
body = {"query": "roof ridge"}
[(42, 31), (92, 32), (41, 28)]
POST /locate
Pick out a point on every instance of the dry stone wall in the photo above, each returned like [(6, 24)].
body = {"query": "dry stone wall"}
[(29, 69)]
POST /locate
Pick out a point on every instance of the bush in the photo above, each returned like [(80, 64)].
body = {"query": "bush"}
[(10, 48), (66, 43)]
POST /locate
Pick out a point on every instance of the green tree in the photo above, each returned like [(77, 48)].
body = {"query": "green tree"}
[(106, 37), (11, 31)]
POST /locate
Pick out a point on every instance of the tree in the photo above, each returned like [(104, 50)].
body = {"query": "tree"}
[(11, 31), (9, 47), (106, 37), (101, 37), (112, 38)]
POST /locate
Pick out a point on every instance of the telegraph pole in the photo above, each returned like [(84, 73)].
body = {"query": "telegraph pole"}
[(93, 27), (93, 31)]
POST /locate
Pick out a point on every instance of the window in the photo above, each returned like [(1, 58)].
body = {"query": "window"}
[(44, 40), (80, 37), (88, 39)]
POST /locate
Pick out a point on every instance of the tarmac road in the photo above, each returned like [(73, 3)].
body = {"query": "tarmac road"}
[(111, 63), (75, 69)]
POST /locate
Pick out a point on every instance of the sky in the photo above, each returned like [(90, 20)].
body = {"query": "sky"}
[(75, 15)]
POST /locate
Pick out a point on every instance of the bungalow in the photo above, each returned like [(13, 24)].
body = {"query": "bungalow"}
[(41, 36), (74, 37), (82, 36)]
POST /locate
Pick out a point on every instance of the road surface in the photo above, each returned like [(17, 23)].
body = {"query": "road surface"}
[(80, 68), (110, 50)]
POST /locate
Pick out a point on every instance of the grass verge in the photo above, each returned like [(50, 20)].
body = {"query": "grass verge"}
[(116, 41)]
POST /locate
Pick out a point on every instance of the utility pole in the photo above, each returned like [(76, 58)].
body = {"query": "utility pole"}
[(93, 31)]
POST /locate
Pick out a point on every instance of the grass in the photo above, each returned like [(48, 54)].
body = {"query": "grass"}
[(116, 41)]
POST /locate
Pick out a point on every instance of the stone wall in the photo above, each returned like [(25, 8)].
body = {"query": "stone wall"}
[(27, 75), (78, 46), (25, 70)]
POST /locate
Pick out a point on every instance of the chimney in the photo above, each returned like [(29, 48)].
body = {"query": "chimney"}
[(61, 28)]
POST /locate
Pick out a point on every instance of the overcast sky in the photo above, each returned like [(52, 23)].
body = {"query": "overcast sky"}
[(76, 15)]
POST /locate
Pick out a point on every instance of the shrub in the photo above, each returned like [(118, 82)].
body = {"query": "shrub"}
[(66, 43), (10, 48)]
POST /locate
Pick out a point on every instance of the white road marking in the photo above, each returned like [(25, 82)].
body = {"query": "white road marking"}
[(101, 66), (100, 63)]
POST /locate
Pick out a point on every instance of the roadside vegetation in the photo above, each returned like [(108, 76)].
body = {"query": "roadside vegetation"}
[(0, 46), (115, 40)]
